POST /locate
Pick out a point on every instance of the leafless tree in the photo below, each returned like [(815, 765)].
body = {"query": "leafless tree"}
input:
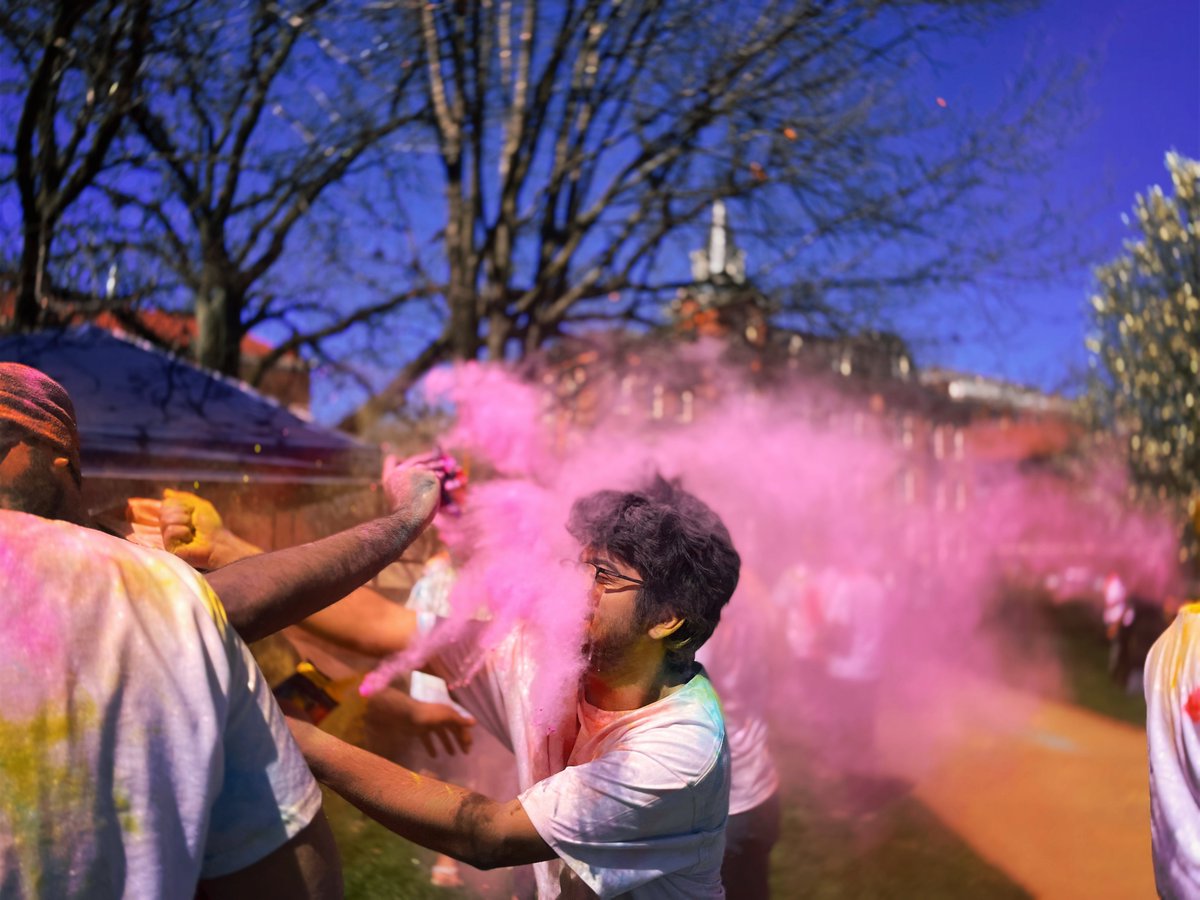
[(583, 143), (79, 65), (251, 114), (542, 166)]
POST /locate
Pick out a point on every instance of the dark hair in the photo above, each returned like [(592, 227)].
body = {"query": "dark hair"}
[(680, 548)]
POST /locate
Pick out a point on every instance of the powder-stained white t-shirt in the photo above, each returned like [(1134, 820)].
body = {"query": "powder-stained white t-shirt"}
[(140, 748), (1172, 686), (633, 802)]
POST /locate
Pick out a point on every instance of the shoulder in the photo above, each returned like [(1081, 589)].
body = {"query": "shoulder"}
[(1175, 655), (684, 731)]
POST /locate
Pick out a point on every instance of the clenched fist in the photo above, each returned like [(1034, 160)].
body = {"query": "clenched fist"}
[(190, 527)]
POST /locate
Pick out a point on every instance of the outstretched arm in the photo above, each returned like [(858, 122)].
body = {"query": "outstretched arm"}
[(366, 622), (446, 818), (263, 594)]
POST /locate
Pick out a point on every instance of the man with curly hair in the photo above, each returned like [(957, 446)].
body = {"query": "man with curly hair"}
[(631, 796)]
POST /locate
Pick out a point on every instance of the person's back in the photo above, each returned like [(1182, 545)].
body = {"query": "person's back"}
[(139, 749)]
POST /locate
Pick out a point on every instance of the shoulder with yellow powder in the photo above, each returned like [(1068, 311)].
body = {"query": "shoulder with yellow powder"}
[(1174, 660)]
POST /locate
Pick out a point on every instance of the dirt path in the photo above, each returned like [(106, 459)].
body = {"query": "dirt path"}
[(1053, 795)]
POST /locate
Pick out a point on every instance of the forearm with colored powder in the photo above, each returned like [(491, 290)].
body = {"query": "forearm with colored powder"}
[(264, 594), (444, 817)]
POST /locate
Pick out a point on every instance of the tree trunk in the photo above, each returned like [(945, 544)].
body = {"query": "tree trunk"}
[(219, 322), (499, 330), (31, 277)]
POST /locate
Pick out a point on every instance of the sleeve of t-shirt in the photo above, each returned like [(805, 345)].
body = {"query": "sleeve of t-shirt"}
[(625, 818), (476, 680), (267, 794)]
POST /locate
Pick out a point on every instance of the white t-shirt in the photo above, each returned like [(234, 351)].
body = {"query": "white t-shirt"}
[(736, 662), (856, 610), (1172, 686), (431, 594), (1116, 609), (140, 748), (634, 802)]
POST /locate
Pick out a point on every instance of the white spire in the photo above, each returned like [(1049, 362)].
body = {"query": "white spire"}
[(722, 258), (717, 238)]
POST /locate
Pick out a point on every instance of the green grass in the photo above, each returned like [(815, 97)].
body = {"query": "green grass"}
[(902, 851), (905, 852), (1082, 648), (1034, 629), (377, 863)]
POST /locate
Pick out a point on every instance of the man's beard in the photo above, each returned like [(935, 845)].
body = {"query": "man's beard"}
[(603, 651), (37, 496)]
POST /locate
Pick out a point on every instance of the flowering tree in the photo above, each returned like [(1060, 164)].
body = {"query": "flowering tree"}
[(1146, 338)]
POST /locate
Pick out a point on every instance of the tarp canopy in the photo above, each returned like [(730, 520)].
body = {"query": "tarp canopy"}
[(144, 413)]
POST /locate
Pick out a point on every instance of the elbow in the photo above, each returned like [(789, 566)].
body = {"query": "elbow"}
[(484, 852), (485, 861), (496, 854), (483, 842)]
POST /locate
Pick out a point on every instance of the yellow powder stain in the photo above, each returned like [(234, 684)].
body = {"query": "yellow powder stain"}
[(41, 791), (1189, 622), (124, 808), (216, 609)]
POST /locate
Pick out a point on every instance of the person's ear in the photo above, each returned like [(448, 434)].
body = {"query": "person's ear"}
[(61, 462), (665, 629)]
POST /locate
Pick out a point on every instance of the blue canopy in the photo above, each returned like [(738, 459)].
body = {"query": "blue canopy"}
[(148, 414)]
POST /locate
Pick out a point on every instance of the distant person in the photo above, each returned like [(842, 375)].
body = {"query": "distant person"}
[(736, 659), (856, 629), (798, 600), (1143, 620)]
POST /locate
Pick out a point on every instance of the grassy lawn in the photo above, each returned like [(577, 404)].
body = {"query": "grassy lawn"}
[(375, 862), (1032, 627), (902, 850), (906, 852), (1082, 648)]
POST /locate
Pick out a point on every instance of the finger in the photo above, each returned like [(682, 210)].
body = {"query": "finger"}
[(444, 737), (177, 534), (465, 737), (432, 461), (173, 514), (427, 740), (142, 510)]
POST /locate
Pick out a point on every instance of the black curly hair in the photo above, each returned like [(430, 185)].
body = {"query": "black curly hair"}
[(680, 549)]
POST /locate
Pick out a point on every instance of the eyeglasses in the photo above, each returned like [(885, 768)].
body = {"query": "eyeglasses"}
[(608, 580)]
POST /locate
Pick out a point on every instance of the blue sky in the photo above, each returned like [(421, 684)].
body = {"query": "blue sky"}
[(1142, 99)]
